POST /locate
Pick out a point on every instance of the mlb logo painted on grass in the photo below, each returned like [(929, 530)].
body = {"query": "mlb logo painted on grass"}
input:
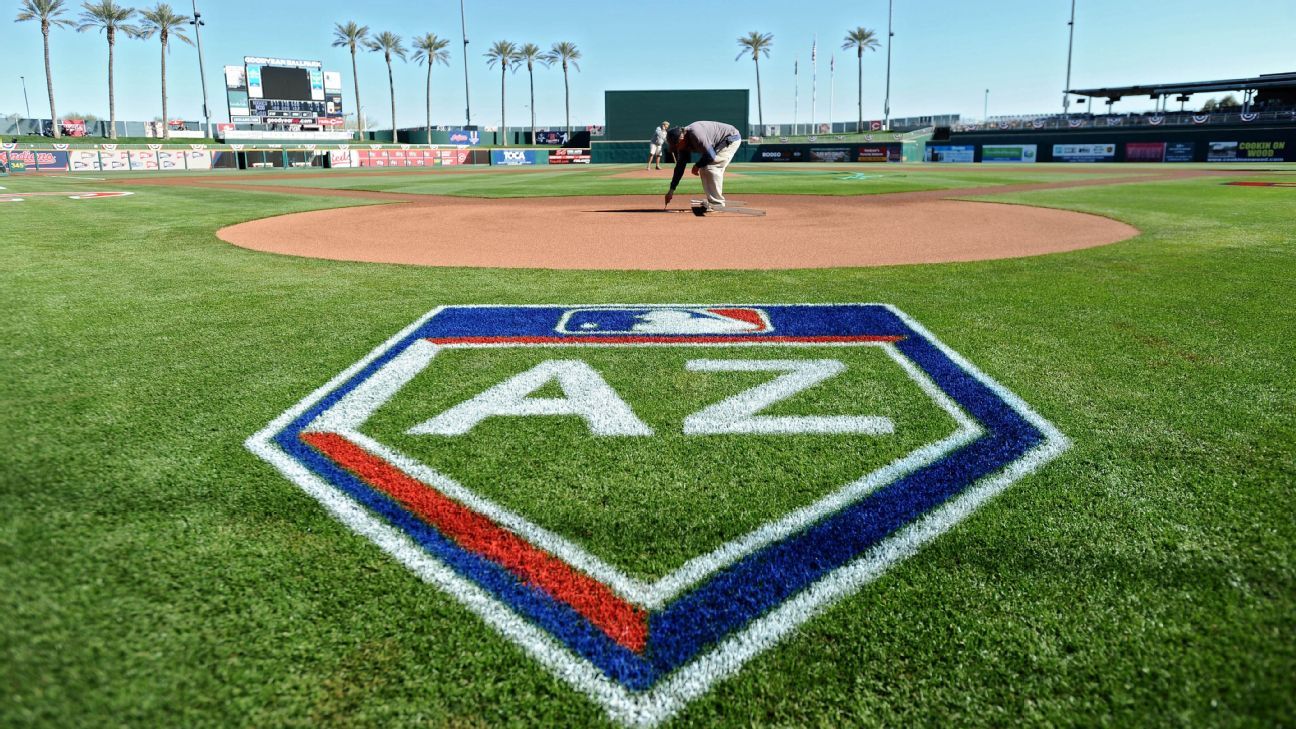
[(645, 646)]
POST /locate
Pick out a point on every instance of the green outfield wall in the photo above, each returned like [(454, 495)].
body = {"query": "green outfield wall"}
[(632, 115)]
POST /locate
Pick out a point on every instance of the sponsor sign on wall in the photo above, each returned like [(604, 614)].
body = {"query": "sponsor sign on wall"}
[(1180, 151), (880, 153), (1008, 152), (830, 154), (777, 154), (1145, 151), (569, 157), (143, 159), (519, 157), (951, 153), (170, 159), (27, 160), (83, 160), (1084, 152), (465, 136), (198, 159), (340, 158), (1262, 151), (114, 161), (548, 137)]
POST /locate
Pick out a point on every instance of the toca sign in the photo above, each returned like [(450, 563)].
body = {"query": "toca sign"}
[(643, 647)]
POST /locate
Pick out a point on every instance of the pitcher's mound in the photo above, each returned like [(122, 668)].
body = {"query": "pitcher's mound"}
[(635, 232)]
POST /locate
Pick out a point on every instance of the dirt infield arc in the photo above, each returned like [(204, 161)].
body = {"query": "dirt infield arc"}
[(635, 232)]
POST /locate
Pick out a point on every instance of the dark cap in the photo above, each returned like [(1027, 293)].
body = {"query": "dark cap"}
[(674, 134)]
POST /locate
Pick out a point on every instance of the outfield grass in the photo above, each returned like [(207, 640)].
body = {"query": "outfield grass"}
[(155, 573)]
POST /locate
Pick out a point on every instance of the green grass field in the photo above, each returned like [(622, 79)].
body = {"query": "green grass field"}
[(156, 573)]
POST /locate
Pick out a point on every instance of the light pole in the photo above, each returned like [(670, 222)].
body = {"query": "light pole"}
[(985, 110), (24, 83), (198, 23), (1066, 98), (886, 105), (463, 26)]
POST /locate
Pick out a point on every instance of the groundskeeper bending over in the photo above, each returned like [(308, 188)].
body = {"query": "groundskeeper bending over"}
[(717, 143)]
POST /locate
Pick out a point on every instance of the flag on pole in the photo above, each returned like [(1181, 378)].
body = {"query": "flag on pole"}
[(814, 85)]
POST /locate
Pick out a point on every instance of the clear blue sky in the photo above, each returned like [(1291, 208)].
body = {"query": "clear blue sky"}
[(946, 53)]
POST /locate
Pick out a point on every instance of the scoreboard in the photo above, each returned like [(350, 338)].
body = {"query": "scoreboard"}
[(283, 91)]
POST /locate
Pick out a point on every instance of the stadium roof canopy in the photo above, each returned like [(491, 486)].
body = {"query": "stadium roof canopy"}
[(1265, 81)]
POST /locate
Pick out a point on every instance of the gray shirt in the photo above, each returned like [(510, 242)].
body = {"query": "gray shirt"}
[(659, 136), (705, 138)]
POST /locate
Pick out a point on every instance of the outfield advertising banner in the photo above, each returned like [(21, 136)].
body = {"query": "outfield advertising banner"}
[(880, 153), (171, 159), (830, 154), (465, 136), (570, 157), (519, 157), (83, 160), (340, 158), (1261, 151), (951, 153), (779, 154), (1145, 151), (42, 161), (552, 138), (1180, 151), (198, 159), (1018, 153), (143, 160), (114, 161), (1084, 153)]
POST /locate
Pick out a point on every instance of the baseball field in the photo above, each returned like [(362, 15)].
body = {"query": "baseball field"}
[(924, 445)]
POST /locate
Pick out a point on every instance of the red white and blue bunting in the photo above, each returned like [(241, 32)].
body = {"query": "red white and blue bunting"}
[(1248, 117), (1201, 118)]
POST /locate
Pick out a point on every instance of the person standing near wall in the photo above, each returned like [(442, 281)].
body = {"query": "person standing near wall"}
[(655, 146)]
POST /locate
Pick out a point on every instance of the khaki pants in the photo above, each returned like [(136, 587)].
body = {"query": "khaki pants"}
[(713, 175)]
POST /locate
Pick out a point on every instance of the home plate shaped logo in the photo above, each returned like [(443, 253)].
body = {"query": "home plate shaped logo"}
[(645, 497)]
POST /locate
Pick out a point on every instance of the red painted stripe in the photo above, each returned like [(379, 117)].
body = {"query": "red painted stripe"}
[(621, 621), (617, 339), (750, 316)]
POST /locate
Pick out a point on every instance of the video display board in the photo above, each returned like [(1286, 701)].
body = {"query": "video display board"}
[(283, 91)]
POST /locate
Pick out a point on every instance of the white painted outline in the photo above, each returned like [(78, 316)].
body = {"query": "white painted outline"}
[(743, 413), (561, 327), (347, 415), (725, 659)]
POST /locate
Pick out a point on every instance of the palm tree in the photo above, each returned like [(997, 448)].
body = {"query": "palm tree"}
[(756, 44), (567, 53), (350, 36), (532, 53), (861, 39), (47, 12), (430, 49), (505, 54), (390, 45), (109, 17), (165, 22)]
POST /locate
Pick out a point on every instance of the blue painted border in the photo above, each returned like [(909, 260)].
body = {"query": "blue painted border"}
[(752, 587)]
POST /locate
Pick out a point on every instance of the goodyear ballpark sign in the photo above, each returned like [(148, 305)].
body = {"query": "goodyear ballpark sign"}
[(644, 649)]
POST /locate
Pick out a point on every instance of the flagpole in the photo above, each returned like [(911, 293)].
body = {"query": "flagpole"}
[(814, 85), (796, 94), (832, 88)]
